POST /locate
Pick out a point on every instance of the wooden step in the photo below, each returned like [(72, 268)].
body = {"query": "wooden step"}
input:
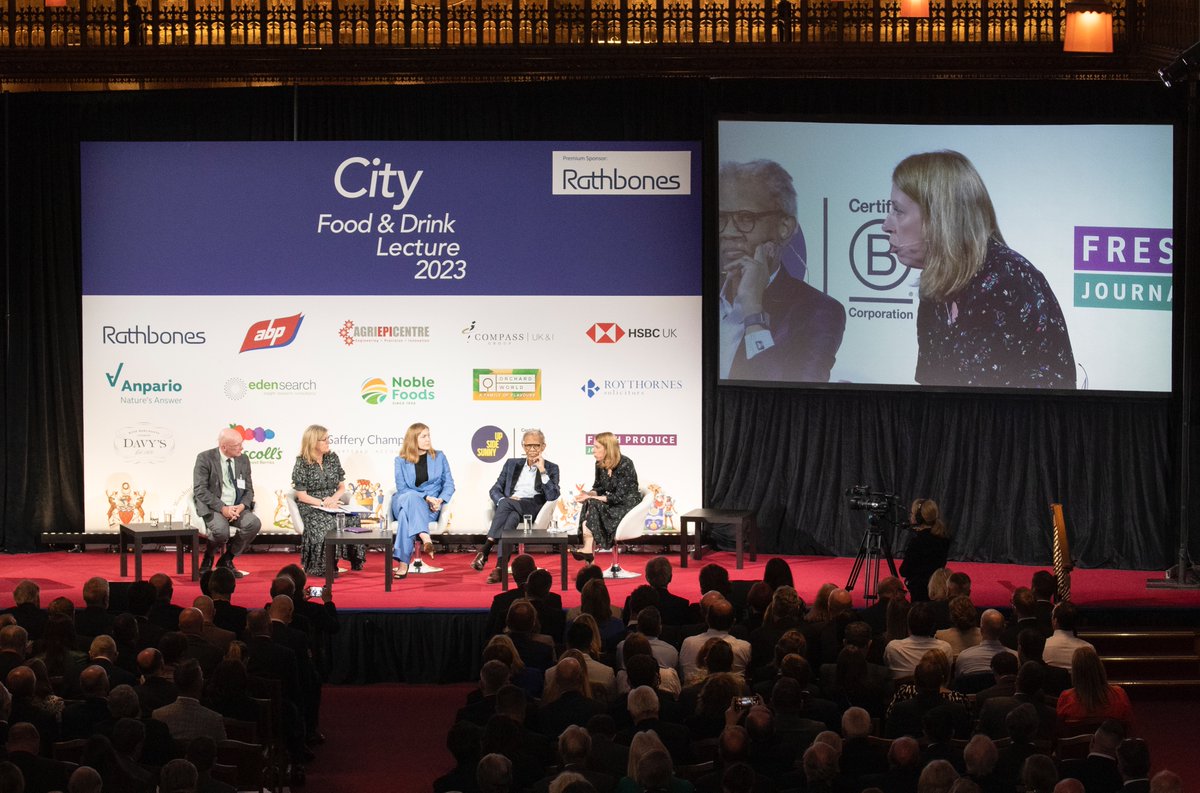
[(1143, 642), (1180, 667)]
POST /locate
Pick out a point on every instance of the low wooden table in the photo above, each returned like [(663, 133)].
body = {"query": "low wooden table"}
[(140, 532), (745, 521), (376, 537), (514, 538)]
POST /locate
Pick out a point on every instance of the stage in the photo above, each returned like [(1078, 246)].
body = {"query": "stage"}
[(429, 627)]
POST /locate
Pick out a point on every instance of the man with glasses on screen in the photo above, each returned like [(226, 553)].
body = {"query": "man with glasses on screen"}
[(523, 487), (774, 327)]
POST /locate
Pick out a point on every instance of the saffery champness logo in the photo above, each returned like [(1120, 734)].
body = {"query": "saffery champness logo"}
[(1123, 268), (269, 334), (352, 333)]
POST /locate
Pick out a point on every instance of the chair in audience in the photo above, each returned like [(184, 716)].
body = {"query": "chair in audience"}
[(250, 760)]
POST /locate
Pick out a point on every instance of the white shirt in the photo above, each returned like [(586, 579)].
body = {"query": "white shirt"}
[(733, 332), (903, 655), (693, 644), (668, 680), (526, 486), (979, 658), (228, 485), (1060, 647), (666, 655)]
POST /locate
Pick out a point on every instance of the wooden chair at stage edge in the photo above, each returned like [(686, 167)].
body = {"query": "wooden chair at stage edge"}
[(1063, 565)]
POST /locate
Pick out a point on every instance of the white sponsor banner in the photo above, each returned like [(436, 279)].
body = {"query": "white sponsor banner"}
[(622, 172)]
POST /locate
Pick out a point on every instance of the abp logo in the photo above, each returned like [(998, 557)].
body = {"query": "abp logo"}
[(606, 333), (272, 333), (374, 391)]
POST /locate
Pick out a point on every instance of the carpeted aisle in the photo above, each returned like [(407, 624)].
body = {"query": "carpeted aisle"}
[(385, 737)]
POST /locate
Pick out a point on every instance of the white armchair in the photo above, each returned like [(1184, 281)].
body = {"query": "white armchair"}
[(632, 526), (441, 526)]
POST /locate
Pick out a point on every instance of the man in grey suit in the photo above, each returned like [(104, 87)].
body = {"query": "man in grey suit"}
[(224, 494)]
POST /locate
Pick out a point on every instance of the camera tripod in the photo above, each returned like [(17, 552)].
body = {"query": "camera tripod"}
[(874, 549)]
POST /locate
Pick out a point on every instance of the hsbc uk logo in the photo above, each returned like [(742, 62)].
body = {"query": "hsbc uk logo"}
[(269, 334), (611, 333)]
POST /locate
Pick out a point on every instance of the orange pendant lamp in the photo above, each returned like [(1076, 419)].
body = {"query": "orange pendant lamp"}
[(914, 9), (1089, 27)]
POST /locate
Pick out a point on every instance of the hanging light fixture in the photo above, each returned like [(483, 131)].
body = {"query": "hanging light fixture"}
[(914, 9), (1089, 26)]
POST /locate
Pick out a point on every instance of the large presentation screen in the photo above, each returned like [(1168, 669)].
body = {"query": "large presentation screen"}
[(1003, 257), (480, 288)]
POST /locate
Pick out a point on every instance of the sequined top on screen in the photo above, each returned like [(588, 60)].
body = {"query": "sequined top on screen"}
[(1009, 330)]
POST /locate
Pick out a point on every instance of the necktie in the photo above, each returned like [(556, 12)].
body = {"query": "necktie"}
[(237, 491)]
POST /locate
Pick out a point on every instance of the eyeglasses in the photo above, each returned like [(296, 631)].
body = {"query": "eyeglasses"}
[(743, 220), (533, 445)]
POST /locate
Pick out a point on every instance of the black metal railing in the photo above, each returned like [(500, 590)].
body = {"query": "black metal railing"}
[(482, 23)]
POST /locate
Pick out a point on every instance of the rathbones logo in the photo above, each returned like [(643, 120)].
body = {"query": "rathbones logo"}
[(148, 335), (635, 439), (629, 386), (1119, 267), (272, 333), (621, 173), (266, 454), (409, 390), (489, 444), (366, 334), (144, 443), (512, 385), (134, 392), (611, 333)]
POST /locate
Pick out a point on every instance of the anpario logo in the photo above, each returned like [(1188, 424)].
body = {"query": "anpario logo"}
[(271, 333), (606, 333)]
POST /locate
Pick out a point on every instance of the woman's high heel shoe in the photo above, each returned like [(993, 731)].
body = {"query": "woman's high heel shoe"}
[(579, 556)]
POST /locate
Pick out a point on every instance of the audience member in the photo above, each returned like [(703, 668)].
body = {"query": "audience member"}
[(903, 655), (164, 613), (719, 621), (1091, 698), (213, 633), (186, 718), (1061, 645), (1098, 771), (1024, 616), (977, 659), (1133, 760), (964, 629)]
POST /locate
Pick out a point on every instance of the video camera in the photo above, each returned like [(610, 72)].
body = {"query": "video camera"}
[(862, 497)]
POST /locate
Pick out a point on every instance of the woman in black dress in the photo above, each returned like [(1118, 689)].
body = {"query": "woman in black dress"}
[(927, 550), (320, 481), (613, 494)]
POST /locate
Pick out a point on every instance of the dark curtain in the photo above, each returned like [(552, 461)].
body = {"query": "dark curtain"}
[(995, 462), (408, 647)]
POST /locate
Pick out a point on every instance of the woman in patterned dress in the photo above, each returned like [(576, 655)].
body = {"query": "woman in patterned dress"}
[(614, 492), (987, 316), (320, 481)]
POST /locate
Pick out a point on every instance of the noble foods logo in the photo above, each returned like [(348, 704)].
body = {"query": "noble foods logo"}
[(1119, 267), (631, 386), (144, 392), (352, 333), (236, 388), (621, 172), (269, 334), (509, 385), (635, 439), (498, 338), (611, 333), (489, 444), (400, 390), (148, 335), (266, 454), (144, 443)]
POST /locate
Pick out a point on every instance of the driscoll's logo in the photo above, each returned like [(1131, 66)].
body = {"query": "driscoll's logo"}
[(271, 333)]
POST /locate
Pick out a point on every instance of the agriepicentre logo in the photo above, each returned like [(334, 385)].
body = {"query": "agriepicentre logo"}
[(611, 333), (1123, 267), (271, 333), (402, 390), (353, 333), (265, 454)]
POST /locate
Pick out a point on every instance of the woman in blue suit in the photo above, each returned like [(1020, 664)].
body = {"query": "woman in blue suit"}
[(423, 486)]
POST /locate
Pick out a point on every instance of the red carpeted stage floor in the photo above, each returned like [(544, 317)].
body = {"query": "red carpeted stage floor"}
[(459, 588)]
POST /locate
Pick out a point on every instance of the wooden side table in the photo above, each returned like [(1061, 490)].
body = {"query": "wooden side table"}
[(137, 533), (744, 521)]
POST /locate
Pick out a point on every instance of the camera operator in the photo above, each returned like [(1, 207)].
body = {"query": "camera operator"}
[(927, 550)]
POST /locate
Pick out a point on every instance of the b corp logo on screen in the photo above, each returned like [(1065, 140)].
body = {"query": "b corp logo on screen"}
[(268, 334), (611, 333)]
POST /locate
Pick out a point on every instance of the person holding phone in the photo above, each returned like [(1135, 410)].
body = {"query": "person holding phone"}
[(423, 486), (774, 327), (524, 485)]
